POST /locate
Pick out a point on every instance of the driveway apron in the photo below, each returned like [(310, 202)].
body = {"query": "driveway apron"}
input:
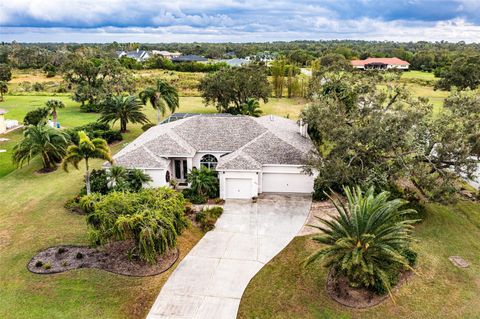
[(210, 280)]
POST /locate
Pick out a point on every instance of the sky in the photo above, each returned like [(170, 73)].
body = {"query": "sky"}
[(157, 21)]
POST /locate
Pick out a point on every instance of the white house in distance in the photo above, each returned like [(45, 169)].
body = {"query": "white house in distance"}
[(251, 155), (139, 55), (380, 64), (3, 123), (166, 54)]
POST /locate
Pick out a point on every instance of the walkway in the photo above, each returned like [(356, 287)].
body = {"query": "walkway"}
[(210, 280)]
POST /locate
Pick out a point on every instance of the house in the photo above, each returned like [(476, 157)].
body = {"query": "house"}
[(190, 58), (251, 155), (139, 55), (233, 62), (3, 123), (380, 64), (166, 54), (7, 125)]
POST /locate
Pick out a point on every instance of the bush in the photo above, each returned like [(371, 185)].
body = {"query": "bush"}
[(151, 218), (47, 266), (79, 255), (193, 197), (147, 126), (208, 216), (94, 130), (36, 116), (39, 263), (98, 182)]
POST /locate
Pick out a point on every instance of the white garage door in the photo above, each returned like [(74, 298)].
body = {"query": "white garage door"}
[(286, 183), (238, 187)]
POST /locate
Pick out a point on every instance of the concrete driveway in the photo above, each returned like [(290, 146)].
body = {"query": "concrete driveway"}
[(210, 280)]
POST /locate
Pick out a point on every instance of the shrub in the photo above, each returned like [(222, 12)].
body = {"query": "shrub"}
[(39, 264), (208, 216), (61, 250), (147, 126), (152, 218), (204, 182), (368, 241), (95, 130), (36, 116), (47, 266), (87, 203), (79, 255), (193, 197)]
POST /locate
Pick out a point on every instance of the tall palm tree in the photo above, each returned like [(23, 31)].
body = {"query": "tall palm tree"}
[(41, 140), (367, 240), (85, 150), (252, 108), (53, 106), (124, 109), (3, 89), (161, 97)]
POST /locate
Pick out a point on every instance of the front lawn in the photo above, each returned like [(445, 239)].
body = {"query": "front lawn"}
[(284, 289), (33, 218)]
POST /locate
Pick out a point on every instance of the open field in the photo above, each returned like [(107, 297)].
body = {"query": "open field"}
[(285, 289)]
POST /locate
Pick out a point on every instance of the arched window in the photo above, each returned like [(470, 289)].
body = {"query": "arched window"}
[(209, 161)]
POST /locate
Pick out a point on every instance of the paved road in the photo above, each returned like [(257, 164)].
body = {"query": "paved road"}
[(210, 280)]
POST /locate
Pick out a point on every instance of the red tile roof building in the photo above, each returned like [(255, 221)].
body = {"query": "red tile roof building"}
[(381, 63)]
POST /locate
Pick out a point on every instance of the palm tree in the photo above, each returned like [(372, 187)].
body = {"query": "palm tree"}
[(367, 240), (116, 175), (125, 109), (85, 150), (137, 178), (41, 140), (3, 89), (252, 108), (53, 106), (203, 181), (162, 96)]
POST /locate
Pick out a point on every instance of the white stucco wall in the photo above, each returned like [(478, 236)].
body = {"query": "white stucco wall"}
[(158, 177), (198, 156)]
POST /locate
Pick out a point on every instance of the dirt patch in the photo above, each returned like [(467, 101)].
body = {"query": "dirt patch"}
[(339, 290), (112, 258)]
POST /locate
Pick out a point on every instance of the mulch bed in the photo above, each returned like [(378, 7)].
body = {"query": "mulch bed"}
[(113, 258), (339, 290)]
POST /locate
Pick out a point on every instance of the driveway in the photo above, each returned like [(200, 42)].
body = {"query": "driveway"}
[(210, 280)]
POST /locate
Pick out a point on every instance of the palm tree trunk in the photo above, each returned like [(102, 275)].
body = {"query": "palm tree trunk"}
[(158, 116), (54, 114), (87, 177)]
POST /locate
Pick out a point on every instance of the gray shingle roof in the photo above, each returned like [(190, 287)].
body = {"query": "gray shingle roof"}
[(250, 142)]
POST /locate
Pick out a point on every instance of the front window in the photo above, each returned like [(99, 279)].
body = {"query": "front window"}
[(209, 161)]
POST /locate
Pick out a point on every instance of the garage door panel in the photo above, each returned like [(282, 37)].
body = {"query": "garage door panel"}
[(286, 183), (238, 188)]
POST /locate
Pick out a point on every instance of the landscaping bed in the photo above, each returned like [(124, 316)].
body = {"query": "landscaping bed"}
[(339, 289), (113, 257)]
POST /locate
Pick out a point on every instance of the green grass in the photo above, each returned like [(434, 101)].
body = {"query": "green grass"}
[(419, 75), (33, 218), (284, 289)]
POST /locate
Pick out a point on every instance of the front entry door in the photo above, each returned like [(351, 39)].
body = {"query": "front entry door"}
[(181, 170)]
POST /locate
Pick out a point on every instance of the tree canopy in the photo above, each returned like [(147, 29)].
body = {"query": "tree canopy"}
[(377, 137), (232, 87)]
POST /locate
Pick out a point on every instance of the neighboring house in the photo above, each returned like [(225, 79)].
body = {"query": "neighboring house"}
[(190, 58), (166, 54), (139, 55), (233, 62), (251, 155), (3, 123), (380, 64), (6, 125)]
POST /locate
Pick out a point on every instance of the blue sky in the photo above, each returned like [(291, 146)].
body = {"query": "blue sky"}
[(238, 20)]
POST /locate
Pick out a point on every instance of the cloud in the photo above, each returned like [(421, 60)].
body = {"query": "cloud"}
[(238, 20)]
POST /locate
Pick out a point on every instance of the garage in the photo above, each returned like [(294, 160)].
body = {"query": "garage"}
[(286, 183), (238, 188)]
